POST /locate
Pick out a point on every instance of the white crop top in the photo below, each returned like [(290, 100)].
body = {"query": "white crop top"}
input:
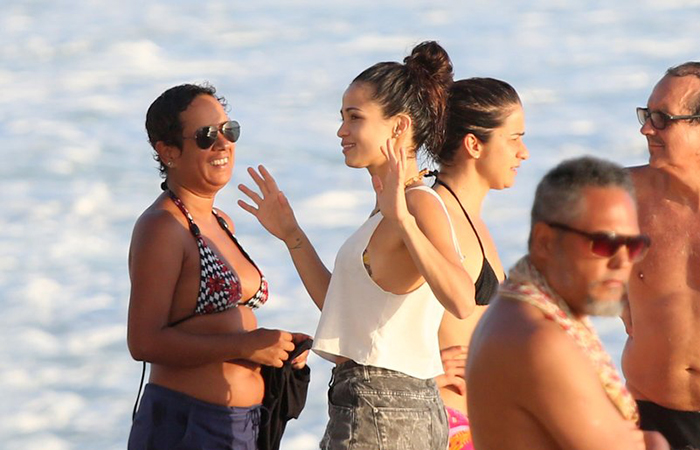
[(370, 326)]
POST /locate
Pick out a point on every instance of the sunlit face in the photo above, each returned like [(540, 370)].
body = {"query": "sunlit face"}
[(210, 168), (677, 145), (592, 284), (364, 128), (504, 151)]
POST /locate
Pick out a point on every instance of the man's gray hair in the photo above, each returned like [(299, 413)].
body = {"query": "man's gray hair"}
[(558, 196), (690, 68)]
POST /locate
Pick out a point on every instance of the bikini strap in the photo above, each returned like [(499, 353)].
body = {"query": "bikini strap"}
[(224, 225), (194, 229), (443, 184)]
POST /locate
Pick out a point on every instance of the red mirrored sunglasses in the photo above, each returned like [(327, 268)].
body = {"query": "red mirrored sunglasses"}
[(606, 245)]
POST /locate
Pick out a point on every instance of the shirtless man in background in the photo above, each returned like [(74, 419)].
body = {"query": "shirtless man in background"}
[(661, 360)]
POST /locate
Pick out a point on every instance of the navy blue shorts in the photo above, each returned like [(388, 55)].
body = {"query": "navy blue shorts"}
[(171, 420)]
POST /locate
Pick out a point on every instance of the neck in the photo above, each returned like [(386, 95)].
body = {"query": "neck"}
[(380, 171), (198, 204), (466, 183)]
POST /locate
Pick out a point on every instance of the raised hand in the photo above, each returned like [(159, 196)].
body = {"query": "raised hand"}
[(272, 209), (390, 190)]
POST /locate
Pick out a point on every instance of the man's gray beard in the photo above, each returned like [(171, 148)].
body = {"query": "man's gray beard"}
[(606, 308)]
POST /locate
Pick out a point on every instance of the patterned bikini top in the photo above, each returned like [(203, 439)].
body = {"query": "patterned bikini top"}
[(219, 286)]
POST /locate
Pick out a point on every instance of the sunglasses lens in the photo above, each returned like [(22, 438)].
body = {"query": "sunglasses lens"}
[(642, 115), (658, 120), (605, 246), (637, 247), (231, 130), (205, 137)]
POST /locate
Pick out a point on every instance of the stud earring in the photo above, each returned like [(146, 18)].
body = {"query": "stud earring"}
[(169, 164)]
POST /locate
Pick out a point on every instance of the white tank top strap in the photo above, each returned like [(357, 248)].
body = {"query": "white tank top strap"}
[(444, 208)]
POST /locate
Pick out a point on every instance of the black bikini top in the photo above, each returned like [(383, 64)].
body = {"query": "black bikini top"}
[(487, 282)]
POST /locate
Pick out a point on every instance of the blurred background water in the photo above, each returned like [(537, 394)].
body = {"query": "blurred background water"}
[(76, 78)]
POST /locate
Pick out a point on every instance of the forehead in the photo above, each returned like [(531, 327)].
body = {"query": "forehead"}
[(673, 94), (515, 117), (608, 209), (204, 110), (359, 95)]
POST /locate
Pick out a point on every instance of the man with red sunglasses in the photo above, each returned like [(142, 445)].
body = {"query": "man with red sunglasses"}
[(661, 361), (537, 374)]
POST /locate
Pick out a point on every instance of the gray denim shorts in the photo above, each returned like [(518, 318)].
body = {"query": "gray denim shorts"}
[(370, 408)]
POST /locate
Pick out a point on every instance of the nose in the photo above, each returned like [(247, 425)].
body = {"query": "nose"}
[(621, 259), (221, 142), (342, 130), (523, 153)]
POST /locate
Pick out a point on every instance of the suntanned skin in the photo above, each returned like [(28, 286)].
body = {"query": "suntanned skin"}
[(212, 357), (661, 360), (476, 168), (530, 386)]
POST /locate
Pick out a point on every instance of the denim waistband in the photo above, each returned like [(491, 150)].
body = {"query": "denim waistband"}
[(351, 368)]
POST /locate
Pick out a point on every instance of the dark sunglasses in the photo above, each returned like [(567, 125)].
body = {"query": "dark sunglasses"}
[(606, 245), (660, 120), (206, 136)]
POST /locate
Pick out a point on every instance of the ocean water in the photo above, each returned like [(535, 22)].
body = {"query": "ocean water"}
[(76, 78)]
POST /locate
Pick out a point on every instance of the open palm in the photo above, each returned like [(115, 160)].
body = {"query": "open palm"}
[(272, 209)]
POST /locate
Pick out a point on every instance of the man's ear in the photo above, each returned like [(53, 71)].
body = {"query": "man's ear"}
[(541, 240)]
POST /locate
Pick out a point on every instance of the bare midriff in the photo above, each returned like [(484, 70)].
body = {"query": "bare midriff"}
[(661, 361), (231, 383)]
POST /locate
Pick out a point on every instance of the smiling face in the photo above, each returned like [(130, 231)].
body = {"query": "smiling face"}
[(504, 151), (676, 147), (364, 128), (591, 284), (197, 169)]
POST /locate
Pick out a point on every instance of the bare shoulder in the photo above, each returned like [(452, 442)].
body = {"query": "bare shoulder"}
[(156, 221), (427, 207), (516, 329), (155, 232), (644, 179), (423, 200), (639, 171), (525, 341)]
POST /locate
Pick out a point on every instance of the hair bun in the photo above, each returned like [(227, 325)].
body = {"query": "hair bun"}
[(429, 57)]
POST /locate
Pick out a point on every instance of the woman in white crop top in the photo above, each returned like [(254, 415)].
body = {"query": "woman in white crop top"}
[(396, 275)]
